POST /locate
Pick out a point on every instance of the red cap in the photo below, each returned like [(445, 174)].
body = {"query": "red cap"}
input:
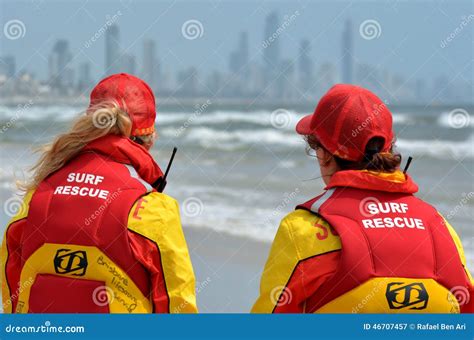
[(346, 118), (133, 95)]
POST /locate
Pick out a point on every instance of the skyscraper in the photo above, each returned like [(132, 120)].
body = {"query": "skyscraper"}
[(271, 52), (244, 48), (347, 53), (149, 62), (240, 57), (368, 76), (8, 66), (214, 82), (127, 63), (188, 82), (238, 64), (326, 77), (286, 84), (60, 73), (85, 79), (305, 68), (112, 50)]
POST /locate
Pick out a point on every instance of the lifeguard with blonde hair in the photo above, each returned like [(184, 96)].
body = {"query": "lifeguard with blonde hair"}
[(95, 233)]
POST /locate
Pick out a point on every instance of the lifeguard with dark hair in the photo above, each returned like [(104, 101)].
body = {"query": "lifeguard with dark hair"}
[(367, 244)]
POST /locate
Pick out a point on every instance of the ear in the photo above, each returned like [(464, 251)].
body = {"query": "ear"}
[(324, 157)]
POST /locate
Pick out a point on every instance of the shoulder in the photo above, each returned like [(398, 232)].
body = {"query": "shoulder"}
[(310, 233), (19, 205), (154, 214), (455, 237), (155, 202)]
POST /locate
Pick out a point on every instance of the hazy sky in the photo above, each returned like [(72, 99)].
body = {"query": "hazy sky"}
[(409, 43)]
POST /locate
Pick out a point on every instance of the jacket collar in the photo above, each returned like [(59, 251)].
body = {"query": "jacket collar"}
[(370, 180), (123, 150)]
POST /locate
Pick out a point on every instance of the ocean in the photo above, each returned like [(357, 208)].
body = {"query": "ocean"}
[(239, 173)]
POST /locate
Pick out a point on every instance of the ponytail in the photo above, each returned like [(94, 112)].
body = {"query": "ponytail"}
[(384, 162), (374, 159), (99, 120)]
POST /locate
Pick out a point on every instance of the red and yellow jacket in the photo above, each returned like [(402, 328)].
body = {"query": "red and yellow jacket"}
[(366, 245), (95, 237)]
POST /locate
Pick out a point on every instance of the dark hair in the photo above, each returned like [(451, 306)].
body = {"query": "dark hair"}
[(374, 158)]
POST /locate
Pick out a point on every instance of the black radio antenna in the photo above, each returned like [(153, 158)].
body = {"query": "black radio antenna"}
[(171, 162), (162, 181), (408, 164)]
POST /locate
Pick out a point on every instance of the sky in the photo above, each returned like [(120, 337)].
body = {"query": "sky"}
[(409, 43)]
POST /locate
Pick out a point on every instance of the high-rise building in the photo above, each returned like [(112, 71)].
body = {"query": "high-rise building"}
[(287, 83), (244, 48), (347, 53), (85, 79), (60, 72), (305, 69), (112, 50), (127, 63), (368, 76), (256, 80), (271, 45), (214, 82), (240, 57), (326, 77), (188, 82), (8, 66), (442, 89), (238, 65), (150, 63)]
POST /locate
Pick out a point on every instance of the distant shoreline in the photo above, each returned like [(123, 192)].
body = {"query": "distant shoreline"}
[(175, 104)]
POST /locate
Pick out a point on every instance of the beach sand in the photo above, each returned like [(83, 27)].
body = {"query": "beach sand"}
[(227, 269)]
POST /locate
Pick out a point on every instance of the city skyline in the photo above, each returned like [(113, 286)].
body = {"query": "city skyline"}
[(271, 72)]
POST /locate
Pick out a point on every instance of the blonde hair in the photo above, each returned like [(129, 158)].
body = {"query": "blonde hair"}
[(98, 121)]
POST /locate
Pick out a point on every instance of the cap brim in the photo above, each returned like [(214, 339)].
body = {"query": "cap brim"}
[(304, 125)]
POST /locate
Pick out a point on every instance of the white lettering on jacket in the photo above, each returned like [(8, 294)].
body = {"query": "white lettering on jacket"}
[(389, 222), (84, 191)]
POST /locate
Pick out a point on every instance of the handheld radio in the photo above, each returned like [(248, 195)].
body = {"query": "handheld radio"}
[(160, 186)]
